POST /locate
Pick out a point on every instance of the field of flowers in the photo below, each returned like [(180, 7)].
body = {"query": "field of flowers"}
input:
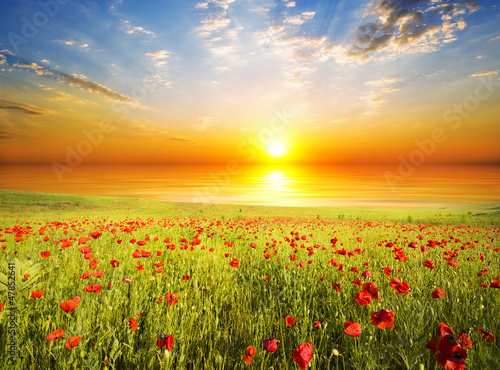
[(92, 292)]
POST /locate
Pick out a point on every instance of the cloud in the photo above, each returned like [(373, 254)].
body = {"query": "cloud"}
[(159, 57), (290, 4), (81, 82), (23, 108), (261, 10), (224, 4), (298, 20), (485, 73), (492, 39), (61, 96), (3, 58), (134, 30), (384, 81), (412, 26), (6, 135), (214, 23), (39, 70), (203, 5), (204, 123), (180, 139), (6, 51), (72, 42)]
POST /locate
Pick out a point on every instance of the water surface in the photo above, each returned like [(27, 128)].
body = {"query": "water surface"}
[(362, 186)]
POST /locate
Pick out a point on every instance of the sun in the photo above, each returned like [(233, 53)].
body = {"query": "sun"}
[(276, 149)]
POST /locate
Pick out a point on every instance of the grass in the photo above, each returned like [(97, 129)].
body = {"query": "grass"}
[(31, 204), (221, 310)]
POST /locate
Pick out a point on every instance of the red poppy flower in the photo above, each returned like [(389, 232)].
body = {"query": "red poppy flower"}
[(235, 262), (495, 284), (132, 323), (429, 264), (45, 254), (317, 325), (70, 305), (251, 350), (289, 320), (1, 307), (366, 274), (171, 298), (303, 354), (352, 328), (487, 336), (115, 263), (95, 234), (86, 275), (387, 271), (26, 276), (73, 341), (83, 240), (93, 264), (438, 293), (464, 340), (36, 293), (383, 319), (401, 288), (432, 345), (371, 289), (98, 273), (336, 286), (86, 250), (93, 288), (55, 334), (248, 359), (363, 298), (450, 355), (270, 344), (444, 330), (165, 340)]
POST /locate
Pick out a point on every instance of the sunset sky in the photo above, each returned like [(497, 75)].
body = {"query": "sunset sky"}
[(252, 81)]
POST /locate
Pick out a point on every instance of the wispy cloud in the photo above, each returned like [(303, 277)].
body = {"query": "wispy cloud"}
[(39, 70), (204, 123), (134, 30), (82, 45), (496, 38), (61, 96), (180, 139), (23, 108), (298, 20), (213, 23), (159, 56), (76, 81), (202, 5), (383, 81), (3, 58), (485, 73), (81, 82)]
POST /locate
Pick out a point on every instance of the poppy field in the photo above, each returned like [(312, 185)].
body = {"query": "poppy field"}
[(94, 290)]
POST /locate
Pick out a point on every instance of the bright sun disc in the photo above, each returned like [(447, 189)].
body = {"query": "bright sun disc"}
[(276, 149)]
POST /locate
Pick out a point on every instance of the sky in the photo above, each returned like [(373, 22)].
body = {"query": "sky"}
[(262, 81)]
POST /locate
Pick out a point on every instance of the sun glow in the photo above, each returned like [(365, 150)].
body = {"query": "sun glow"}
[(276, 149)]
